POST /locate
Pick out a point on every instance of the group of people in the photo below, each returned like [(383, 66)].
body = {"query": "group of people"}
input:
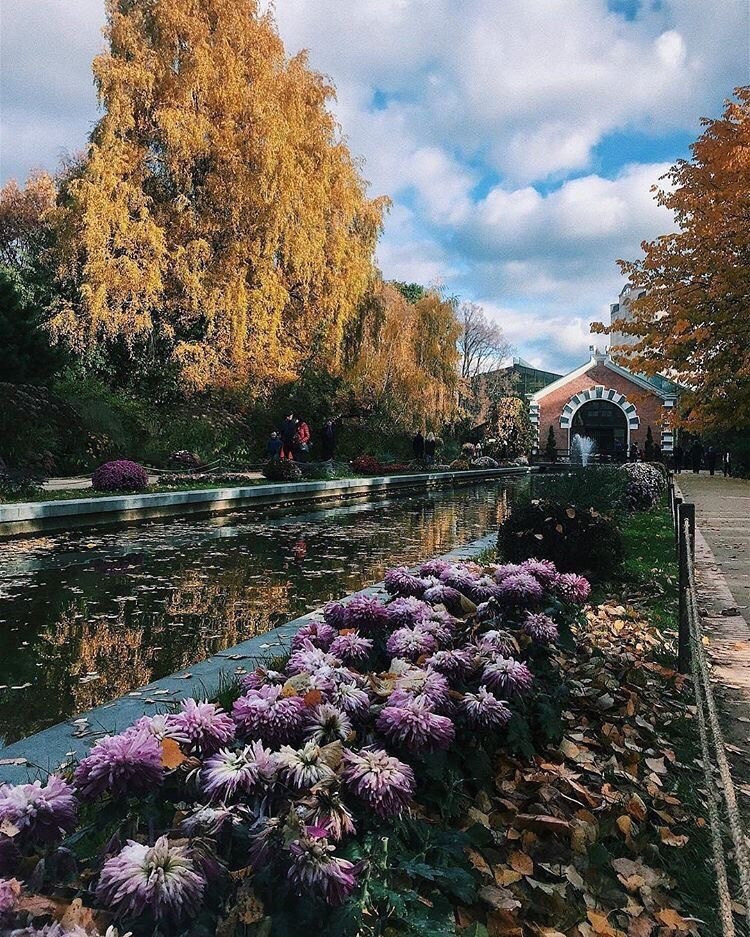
[(424, 447), (293, 440), (696, 455)]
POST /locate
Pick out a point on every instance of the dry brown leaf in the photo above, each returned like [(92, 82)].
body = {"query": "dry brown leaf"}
[(541, 823), (506, 876), (672, 839), (521, 862), (172, 755), (478, 861), (77, 915), (636, 807), (313, 698), (673, 920)]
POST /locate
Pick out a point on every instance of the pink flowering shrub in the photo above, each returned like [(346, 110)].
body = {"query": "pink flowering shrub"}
[(644, 487), (377, 710), (121, 475)]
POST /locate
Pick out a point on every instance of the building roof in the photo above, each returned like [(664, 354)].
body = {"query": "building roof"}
[(598, 358)]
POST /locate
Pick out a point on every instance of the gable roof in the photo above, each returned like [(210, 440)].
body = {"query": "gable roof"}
[(604, 360)]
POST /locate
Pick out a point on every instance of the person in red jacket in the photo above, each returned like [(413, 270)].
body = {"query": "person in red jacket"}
[(302, 441)]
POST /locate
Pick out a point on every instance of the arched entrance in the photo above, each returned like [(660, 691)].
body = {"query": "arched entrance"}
[(604, 422)]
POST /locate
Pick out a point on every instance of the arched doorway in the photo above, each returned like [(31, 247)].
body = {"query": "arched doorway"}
[(604, 422)]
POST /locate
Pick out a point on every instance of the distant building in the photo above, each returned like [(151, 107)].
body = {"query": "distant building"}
[(622, 310), (520, 378)]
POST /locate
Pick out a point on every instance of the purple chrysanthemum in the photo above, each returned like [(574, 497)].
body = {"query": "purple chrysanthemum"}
[(41, 812), (401, 582), (497, 642), (304, 767), (161, 879), (326, 723), (519, 589), (543, 570), (506, 569), (130, 763), (261, 676), (459, 578), (433, 567), (482, 590), (161, 726), (266, 715), (314, 869), (407, 611), (351, 647), (483, 710), (507, 676), (540, 627), (413, 725), (421, 684), (382, 782), (573, 588), (247, 771), (441, 628), (318, 633), (441, 594), (207, 727), (334, 614), (352, 700), (489, 611), (453, 664), (10, 889), (310, 659), (366, 614), (411, 643), (325, 809)]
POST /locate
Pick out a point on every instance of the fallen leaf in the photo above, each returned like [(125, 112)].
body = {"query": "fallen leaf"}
[(522, 863), (672, 839), (172, 755), (672, 919)]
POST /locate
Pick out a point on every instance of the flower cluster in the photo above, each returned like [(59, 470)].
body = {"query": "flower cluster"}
[(644, 486)]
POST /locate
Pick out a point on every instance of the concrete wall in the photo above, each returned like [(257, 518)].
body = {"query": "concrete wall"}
[(36, 517)]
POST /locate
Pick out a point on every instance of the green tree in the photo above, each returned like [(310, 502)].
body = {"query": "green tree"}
[(412, 292), (26, 354), (550, 449)]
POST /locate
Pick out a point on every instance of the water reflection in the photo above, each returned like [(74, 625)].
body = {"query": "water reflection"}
[(85, 618)]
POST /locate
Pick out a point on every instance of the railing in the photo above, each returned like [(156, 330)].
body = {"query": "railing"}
[(691, 657)]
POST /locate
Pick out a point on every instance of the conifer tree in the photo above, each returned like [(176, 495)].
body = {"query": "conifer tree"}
[(550, 449)]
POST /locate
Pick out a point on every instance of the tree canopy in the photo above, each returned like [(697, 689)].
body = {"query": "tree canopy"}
[(218, 211), (693, 323)]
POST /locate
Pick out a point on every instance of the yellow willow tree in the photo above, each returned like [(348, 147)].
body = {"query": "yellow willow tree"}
[(218, 210), (404, 364)]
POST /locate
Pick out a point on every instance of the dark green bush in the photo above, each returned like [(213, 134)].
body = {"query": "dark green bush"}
[(18, 486), (576, 539), (324, 471), (601, 487), (282, 470)]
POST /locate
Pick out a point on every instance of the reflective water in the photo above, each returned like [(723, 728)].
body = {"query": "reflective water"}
[(87, 617)]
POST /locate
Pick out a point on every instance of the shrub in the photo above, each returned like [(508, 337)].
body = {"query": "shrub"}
[(325, 471), (441, 468), (459, 465), (661, 468), (484, 462), (601, 487), (205, 478), (645, 485), (574, 538), (121, 475), (18, 486), (367, 465), (183, 458), (282, 470), (467, 450)]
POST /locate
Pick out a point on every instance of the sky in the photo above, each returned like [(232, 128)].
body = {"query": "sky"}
[(518, 139)]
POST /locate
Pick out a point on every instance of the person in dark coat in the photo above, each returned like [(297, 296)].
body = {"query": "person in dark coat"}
[(677, 455), (288, 432), (726, 464), (696, 457), (429, 449), (711, 459), (635, 452), (328, 440), (417, 445), (273, 446)]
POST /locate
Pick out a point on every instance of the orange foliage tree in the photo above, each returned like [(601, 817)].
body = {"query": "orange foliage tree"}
[(25, 221), (218, 211), (693, 323)]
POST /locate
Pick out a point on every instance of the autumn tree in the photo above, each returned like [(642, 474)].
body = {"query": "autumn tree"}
[(219, 214), (693, 323), (27, 235)]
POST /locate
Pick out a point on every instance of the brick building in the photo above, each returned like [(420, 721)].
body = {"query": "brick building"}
[(606, 402)]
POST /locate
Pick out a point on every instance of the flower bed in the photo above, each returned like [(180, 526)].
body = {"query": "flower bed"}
[(276, 807), (120, 475)]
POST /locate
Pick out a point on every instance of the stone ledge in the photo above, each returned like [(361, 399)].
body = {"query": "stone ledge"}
[(39, 754)]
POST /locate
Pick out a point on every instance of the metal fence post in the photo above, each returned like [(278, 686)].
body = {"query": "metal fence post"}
[(677, 505), (685, 553)]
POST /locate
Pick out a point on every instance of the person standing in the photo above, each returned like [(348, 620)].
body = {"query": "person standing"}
[(273, 447), (711, 459), (429, 449), (726, 464), (417, 445), (328, 440), (677, 454), (696, 457), (302, 441), (288, 432), (634, 452)]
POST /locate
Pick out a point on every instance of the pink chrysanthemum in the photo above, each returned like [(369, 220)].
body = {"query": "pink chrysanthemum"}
[(207, 727), (413, 725), (365, 613), (441, 594), (433, 567), (497, 641), (266, 715), (383, 783), (401, 582), (407, 611), (326, 723), (265, 840), (247, 771), (352, 648), (160, 879), (161, 726), (129, 763), (309, 659), (318, 633), (483, 710), (543, 570), (519, 589), (541, 628), (573, 588), (453, 664), (352, 700), (304, 767), (41, 812), (506, 569), (325, 809), (411, 643), (261, 676), (10, 889), (507, 676), (422, 684), (314, 869)]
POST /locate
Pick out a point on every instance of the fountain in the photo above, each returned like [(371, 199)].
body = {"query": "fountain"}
[(582, 449)]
